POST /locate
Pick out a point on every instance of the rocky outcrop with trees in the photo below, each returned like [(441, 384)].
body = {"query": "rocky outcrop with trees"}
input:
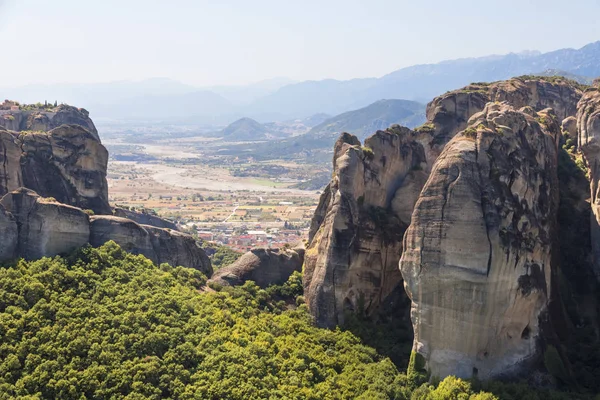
[(470, 203)]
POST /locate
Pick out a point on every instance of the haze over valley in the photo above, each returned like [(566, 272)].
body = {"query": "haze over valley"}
[(300, 200)]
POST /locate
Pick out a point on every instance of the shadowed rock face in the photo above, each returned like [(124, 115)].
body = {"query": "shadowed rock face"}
[(588, 124), (45, 227), (477, 256), (47, 120), (263, 266), (159, 245), (10, 235), (351, 262), (67, 163)]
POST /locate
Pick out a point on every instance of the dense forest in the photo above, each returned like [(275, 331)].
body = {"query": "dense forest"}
[(102, 323)]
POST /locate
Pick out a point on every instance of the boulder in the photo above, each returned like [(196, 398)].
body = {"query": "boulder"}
[(478, 257), (45, 227), (264, 266), (159, 245)]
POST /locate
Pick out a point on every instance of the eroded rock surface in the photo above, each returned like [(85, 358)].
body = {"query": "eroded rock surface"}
[(355, 236), (159, 245), (477, 256), (67, 163), (128, 234), (264, 266), (177, 248), (351, 262), (588, 124), (45, 227), (46, 120), (9, 235)]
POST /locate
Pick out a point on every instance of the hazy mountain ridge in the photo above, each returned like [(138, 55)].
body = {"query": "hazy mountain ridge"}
[(377, 116), (163, 99)]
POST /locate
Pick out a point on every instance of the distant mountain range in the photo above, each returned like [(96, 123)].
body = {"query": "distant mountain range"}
[(281, 99), (377, 116)]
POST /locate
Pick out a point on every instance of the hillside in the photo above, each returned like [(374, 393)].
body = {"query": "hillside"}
[(244, 129), (102, 323), (377, 116)]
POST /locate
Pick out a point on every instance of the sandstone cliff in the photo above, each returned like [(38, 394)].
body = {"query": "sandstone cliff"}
[(351, 262), (477, 256), (355, 236), (159, 245), (263, 266), (45, 227), (34, 227), (588, 125), (67, 163)]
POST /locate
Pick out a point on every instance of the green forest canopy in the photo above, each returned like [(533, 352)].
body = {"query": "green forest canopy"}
[(103, 323)]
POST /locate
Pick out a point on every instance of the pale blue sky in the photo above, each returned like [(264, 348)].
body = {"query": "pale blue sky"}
[(241, 41)]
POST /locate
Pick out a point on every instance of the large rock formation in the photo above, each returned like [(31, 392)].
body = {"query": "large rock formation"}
[(477, 256), (32, 118), (588, 125), (34, 227), (159, 245), (351, 262), (263, 266), (45, 227), (355, 236), (67, 163)]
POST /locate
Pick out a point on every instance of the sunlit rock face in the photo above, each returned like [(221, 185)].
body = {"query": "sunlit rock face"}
[(45, 227), (160, 245), (588, 126), (477, 256), (264, 266), (351, 255)]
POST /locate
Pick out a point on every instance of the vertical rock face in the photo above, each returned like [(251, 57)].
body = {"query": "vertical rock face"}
[(67, 163), (354, 243), (9, 234), (350, 264), (477, 255), (588, 125), (45, 227)]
